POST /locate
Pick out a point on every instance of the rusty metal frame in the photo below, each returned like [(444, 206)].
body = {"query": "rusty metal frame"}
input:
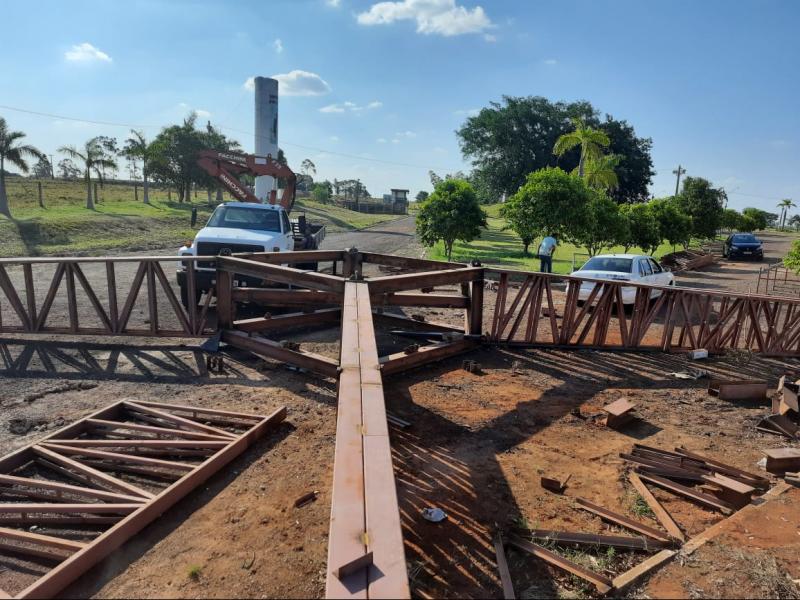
[(98, 496), (365, 543)]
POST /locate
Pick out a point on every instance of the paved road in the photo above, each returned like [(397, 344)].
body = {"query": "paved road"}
[(392, 237)]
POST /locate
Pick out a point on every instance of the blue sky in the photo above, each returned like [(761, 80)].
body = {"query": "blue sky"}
[(380, 88)]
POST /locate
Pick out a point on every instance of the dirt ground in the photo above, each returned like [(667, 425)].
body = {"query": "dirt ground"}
[(476, 448)]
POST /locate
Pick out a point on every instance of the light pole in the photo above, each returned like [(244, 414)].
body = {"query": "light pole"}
[(679, 171)]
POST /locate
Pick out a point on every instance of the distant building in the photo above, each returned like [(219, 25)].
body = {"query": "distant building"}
[(399, 201)]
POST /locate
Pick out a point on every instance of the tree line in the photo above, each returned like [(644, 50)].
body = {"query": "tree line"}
[(566, 173), (169, 159)]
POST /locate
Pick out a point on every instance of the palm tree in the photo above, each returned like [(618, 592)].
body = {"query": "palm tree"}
[(16, 155), (589, 139), (136, 148), (94, 159), (785, 205), (600, 172)]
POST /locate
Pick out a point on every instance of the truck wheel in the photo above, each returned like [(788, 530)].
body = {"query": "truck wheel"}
[(185, 297)]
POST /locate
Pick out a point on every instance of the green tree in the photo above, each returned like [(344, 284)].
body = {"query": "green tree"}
[(603, 226), (761, 218), (673, 225), (730, 219), (784, 205), (794, 221), (591, 142), (792, 259), (746, 224), (507, 141), (551, 202), (422, 195), (321, 192), (136, 148), (635, 169), (68, 170), (703, 203), (95, 160), (601, 172), (450, 213), (643, 227), (13, 153), (43, 169)]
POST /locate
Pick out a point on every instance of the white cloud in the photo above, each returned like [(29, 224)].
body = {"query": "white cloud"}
[(295, 83), (334, 138), (467, 112), (406, 134), (780, 143), (441, 17), (203, 114), (395, 141), (550, 61), (349, 107), (85, 52), (278, 45), (489, 37), (333, 3), (301, 83), (381, 140)]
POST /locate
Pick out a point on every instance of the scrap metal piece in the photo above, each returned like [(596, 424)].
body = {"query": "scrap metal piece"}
[(622, 520), (555, 485), (502, 566), (781, 460), (362, 562), (602, 583), (619, 413), (744, 389), (780, 425)]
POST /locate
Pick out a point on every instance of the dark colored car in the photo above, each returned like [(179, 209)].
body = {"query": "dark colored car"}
[(743, 245)]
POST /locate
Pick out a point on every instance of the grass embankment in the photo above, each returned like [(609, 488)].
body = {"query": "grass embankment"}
[(119, 223), (336, 218), (501, 247)]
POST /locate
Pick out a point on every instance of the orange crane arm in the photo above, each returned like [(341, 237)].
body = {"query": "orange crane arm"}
[(227, 166)]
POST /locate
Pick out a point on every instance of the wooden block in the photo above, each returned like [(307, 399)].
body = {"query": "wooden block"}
[(780, 460), (555, 485), (619, 413)]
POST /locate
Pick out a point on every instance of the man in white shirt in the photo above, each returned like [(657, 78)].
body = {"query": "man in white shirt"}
[(546, 250)]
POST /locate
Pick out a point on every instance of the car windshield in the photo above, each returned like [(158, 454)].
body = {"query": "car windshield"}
[(744, 239), (245, 218), (608, 263)]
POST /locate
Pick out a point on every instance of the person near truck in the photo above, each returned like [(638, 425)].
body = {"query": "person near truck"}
[(546, 250)]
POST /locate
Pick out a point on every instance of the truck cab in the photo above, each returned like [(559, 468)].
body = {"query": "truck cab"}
[(243, 227)]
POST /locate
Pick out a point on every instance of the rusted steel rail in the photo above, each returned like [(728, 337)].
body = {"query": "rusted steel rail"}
[(365, 518), (109, 308), (538, 309), (127, 464)]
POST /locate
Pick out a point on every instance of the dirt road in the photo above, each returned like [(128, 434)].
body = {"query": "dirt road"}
[(739, 275)]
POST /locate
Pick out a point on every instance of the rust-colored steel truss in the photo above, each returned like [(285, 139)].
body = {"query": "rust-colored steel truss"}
[(105, 477), (366, 557)]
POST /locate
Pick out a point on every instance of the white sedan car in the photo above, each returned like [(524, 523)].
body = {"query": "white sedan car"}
[(624, 267)]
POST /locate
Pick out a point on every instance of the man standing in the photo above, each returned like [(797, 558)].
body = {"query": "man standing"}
[(546, 250)]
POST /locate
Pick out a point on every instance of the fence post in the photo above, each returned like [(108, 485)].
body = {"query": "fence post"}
[(135, 192), (41, 195), (476, 307), (224, 299)]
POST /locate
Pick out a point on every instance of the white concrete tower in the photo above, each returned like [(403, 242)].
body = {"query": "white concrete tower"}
[(266, 97)]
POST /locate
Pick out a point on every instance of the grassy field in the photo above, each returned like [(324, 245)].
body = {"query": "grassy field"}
[(502, 247), (339, 219), (119, 223)]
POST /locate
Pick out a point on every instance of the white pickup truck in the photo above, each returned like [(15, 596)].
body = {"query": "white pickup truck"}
[(244, 227)]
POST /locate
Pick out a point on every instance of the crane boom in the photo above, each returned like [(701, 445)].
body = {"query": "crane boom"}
[(225, 167)]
